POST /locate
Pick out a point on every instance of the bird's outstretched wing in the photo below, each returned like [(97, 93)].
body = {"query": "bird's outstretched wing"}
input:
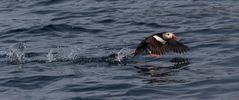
[(158, 48)]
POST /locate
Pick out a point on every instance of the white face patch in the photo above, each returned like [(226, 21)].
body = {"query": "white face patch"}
[(159, 39), (168, 35)]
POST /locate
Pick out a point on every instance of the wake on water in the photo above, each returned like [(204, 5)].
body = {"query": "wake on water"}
[(16, 54)]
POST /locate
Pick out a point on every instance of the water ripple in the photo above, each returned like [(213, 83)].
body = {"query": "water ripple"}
[(31, 82), (72, 49)]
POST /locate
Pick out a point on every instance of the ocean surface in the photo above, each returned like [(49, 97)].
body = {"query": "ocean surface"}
[(80, 50)]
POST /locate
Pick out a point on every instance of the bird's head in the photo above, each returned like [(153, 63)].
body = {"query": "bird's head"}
[(169, 36)]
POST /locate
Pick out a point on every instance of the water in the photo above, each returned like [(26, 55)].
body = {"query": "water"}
[(80, 50)]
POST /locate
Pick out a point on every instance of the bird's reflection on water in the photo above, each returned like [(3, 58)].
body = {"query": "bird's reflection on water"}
[(162, 74)]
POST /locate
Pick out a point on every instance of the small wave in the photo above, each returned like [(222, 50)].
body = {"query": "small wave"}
[(106, 21), (48, 2), (154, 25), (62, 28), (31, 82), (49, 28)]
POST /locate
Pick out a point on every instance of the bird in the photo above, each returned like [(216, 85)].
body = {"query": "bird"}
[(160, 43)]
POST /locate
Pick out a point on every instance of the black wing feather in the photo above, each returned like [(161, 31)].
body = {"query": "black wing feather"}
[(171, 46)]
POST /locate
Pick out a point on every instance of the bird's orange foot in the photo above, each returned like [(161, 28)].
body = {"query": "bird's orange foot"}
[(154, 55)]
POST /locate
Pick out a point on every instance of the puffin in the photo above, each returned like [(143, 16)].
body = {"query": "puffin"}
[(159, 44)]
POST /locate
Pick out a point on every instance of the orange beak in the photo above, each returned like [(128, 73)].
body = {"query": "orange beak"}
[(174, 37)]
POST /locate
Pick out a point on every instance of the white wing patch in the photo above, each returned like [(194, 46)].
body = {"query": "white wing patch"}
[(159, 39), (149, 51)]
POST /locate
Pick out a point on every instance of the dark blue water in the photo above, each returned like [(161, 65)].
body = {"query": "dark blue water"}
[(79, 50)]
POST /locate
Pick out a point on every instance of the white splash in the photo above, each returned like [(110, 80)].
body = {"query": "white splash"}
[(63, 54), (74, 52), (122, 54), (16, 53), (50, 56)]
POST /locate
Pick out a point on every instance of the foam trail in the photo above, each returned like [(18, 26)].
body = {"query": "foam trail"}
[(16, 54)]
